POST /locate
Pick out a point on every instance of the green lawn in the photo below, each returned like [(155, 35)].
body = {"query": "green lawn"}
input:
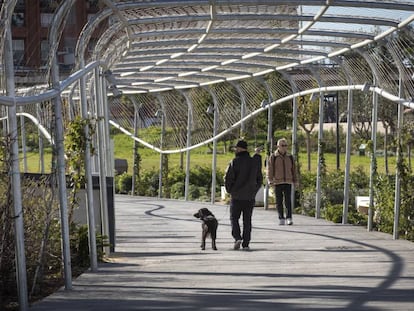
[(123, 147)]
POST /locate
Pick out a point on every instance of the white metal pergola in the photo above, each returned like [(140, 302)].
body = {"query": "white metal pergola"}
[(165, 51)]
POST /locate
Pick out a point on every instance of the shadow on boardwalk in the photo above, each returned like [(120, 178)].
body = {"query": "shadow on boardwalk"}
[(312, 265)]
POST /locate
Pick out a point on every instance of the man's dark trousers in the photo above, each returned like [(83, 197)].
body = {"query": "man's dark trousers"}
[(238, 207)]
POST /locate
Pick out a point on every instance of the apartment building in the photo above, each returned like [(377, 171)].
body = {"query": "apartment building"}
[(30, 30)]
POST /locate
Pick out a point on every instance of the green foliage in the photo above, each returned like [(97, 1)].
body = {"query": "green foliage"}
[(200, 175), (282, 116), (176, 180), (7, 258), (308, 179), (359, 178), (123, 183), (322, 161), (177, 190), (332, 194), (308, 113), (329, 138), (194, 192), (75, 146), (79, 244), (308, 202), (384, 203), (42, 239), (200, 183), (333, 212), (166, 183), (137, 168), (384, 207)]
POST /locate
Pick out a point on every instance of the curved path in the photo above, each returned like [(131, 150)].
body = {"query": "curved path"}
[(312, 265)]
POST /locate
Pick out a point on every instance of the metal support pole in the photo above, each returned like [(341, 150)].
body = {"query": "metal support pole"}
[(61, 172), (89, 185), (269, 148), (294, 142), (242, 108), (161, 154), (319, 168), (214, 160), (373, 157), (374, 121), (23, 137), (188, 153), (99, 93), (41, 147), (21, 277), (135, 150), (137, 108), (337, 132), (397, 198), (108, 145), (108, 149), (348, 153)]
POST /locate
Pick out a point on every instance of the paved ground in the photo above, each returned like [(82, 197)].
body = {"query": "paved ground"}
[(312, 265)]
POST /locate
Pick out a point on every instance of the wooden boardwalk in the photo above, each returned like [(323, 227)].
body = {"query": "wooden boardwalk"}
[(311, 265)]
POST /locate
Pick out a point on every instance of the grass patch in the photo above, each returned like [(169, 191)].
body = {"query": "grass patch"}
[(123, 148)]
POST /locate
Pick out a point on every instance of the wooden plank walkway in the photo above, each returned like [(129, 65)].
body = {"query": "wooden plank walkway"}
[(311, 265)]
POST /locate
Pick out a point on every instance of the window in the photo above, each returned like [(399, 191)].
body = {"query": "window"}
[(18, 52), (18, 19), (44, 51), (46, 19)]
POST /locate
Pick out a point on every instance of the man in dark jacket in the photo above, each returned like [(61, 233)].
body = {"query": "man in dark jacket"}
[(242, 180)]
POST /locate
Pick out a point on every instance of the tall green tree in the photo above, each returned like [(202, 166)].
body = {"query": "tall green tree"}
[(308, 117)]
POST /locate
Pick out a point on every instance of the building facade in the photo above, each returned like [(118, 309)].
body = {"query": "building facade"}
[(30, 31)]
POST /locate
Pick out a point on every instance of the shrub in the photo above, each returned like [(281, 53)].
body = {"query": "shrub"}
[(309, 203), (177, 190), (333, 212), (148, 183), (124, 183), (193, 192)]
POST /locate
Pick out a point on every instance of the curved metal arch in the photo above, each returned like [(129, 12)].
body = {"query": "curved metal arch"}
[(52, 93), (86, 34), (59, 19), (305, 29), (37, 123), (290, 97)]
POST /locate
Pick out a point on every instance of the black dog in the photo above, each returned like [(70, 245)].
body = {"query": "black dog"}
[(209, 227)]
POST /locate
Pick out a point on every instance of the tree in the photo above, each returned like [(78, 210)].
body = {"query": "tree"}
[(308, 116), (387, 112)]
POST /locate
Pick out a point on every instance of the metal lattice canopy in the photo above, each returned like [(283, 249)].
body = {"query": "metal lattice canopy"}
[(152, 46), (169, 54), (169, 46)]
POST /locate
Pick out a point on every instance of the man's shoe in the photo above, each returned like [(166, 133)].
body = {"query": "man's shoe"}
[(246, 248), (281, 221), (289, 221), (237, 244)]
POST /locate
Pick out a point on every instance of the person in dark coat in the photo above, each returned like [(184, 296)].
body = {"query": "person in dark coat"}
[(242, 180)]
